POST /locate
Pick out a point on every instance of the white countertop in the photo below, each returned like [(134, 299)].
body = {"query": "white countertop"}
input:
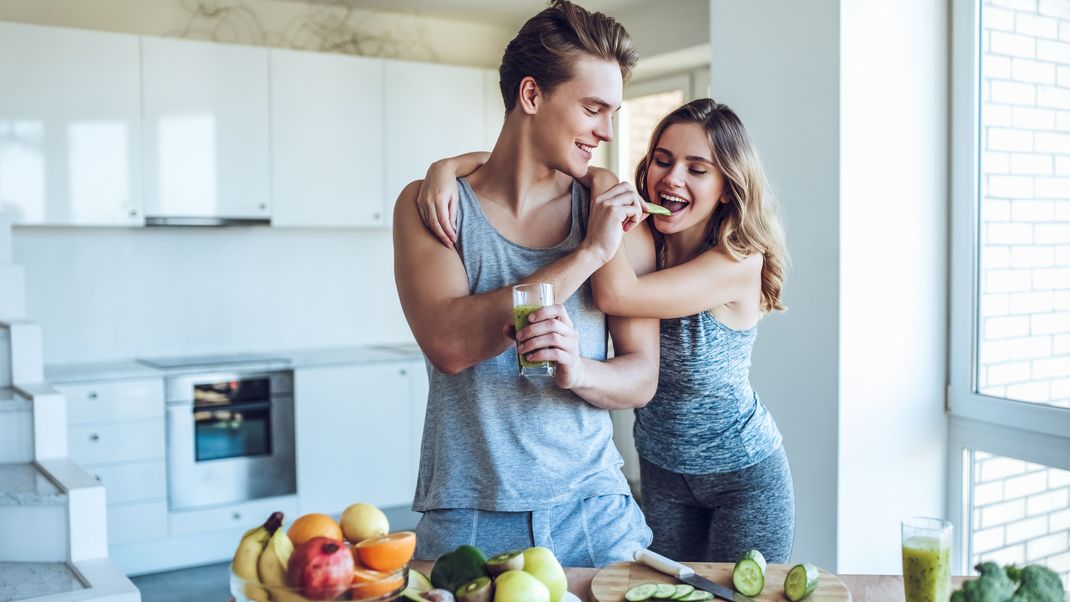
[(60, 374)]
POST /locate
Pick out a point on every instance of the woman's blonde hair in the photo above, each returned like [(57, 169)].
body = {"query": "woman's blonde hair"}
[(746, 221)]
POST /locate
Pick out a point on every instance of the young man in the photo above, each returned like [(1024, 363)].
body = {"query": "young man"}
[(506, 461)]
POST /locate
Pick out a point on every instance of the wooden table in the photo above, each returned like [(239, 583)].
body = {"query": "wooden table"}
[(863, 588)]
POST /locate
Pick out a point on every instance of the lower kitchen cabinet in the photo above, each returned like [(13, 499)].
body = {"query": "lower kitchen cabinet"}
[(243, 515), (132, 523), (355, 443)]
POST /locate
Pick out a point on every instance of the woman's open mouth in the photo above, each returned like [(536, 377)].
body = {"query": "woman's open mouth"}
[(672, 202)]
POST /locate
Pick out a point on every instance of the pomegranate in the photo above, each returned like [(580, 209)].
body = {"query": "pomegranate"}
[(321, 568)]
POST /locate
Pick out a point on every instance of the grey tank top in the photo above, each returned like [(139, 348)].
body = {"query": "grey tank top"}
[(494, 440), (705, 417)]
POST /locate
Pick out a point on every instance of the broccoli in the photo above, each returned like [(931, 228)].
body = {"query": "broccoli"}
[(992, 586), (1038, 584)]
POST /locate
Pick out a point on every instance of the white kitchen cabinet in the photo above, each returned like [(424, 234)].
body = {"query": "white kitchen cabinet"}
[(70, 126), (206, 129), (431, 112), (327, 138), (111, 401), (354, 437)]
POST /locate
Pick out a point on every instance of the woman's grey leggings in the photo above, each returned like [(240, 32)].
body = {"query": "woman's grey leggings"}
[(716, 517)]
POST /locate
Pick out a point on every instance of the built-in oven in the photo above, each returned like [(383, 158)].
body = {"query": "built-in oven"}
[(230, 437)]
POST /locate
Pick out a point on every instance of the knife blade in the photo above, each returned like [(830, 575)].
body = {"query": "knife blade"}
[(687, 575)]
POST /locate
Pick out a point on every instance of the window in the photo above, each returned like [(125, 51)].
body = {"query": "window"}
[(1009, 393)]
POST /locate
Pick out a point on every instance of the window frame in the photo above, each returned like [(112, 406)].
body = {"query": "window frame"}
[(1026, 431)]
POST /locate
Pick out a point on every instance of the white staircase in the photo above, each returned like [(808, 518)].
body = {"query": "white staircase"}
[(52, 513)]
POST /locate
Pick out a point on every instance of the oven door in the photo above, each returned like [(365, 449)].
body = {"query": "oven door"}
[(230, 453)]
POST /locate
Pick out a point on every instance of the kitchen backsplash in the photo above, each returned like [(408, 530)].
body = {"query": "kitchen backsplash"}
[(110, 293)]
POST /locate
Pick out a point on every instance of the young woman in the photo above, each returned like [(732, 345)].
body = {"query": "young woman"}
[(714, 475)]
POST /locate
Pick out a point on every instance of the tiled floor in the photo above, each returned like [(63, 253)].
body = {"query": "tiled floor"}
[(199, 584)]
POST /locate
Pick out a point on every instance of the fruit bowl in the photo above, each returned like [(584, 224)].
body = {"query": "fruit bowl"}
[(367, 586)]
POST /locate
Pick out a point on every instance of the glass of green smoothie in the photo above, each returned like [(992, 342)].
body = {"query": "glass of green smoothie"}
[(926, 559), (527, 298)]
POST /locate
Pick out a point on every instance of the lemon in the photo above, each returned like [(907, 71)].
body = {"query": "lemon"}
[(362, 521)]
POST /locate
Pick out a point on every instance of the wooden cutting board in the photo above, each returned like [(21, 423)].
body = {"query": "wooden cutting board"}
[(611, 582)]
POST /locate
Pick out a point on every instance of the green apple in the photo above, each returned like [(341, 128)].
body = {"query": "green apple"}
[(519, 586), (542, 563)]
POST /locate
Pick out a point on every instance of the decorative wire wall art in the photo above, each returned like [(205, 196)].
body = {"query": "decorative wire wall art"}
[(328, 28)]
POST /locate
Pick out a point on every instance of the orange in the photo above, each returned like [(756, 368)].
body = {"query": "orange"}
[(387, 552), (368, 584), (309, 526)]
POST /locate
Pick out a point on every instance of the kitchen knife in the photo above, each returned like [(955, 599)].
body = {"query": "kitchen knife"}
[(686, 574)]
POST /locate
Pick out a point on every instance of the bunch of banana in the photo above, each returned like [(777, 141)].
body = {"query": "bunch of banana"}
[(271, 567), (248, 554)]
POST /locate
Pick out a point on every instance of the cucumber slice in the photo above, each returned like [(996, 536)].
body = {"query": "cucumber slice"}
[(697, 596), (665, 590), (748, 576), (800, 582), (682, 590), (641, 592)]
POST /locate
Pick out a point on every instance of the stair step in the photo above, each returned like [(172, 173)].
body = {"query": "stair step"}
[(5, 356), (33, 516), (27, 359), (16, 427), (25, 485), (6, 242), (12, 291), (29, 580)]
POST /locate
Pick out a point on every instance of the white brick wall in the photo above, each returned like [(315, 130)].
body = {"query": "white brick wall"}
[(1021, 513), (1025, 246)]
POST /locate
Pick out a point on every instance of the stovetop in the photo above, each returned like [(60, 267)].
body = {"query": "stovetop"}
[(197, 361)]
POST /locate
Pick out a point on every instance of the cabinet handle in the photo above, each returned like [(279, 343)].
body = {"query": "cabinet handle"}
[(97, 477), (262, 206), (376, 215), (404, 372), (94, 437), (92, 395), (133, 213), (236, 516)]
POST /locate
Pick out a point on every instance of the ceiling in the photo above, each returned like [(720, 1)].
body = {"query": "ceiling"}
[(503, 13)]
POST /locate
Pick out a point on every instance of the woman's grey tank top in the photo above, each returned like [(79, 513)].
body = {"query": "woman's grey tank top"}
[(705, 417), (494, 440)]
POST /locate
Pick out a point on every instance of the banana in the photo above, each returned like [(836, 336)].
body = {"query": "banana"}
[(248, 553), (272, 567)]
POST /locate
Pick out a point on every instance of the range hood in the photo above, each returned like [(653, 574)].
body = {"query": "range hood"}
[(158, 221)]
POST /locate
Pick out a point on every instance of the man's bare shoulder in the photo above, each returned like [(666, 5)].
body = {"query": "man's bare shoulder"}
[(405, 210)]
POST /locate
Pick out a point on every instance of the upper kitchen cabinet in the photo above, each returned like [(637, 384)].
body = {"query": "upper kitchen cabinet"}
[(70, 126), (431, 112), (206, 151), (327, 139)]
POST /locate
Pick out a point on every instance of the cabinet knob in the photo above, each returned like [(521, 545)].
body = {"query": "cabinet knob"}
[(376, 215), (404, 372), (94, 437), (92, 395), (236, 516), (97, 477), (262, 206), (133, 213)]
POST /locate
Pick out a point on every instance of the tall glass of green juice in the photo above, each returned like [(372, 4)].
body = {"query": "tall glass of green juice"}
[(528, 298), (926, 559)]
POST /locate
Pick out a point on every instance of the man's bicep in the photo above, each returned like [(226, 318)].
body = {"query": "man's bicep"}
[(428, 275), (639, 244), (636, 336)]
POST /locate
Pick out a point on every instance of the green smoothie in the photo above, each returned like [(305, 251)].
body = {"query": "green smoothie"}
[(520, 320), (926, 570)]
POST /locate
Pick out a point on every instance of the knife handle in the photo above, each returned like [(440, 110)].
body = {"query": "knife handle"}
[(661, 563)]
